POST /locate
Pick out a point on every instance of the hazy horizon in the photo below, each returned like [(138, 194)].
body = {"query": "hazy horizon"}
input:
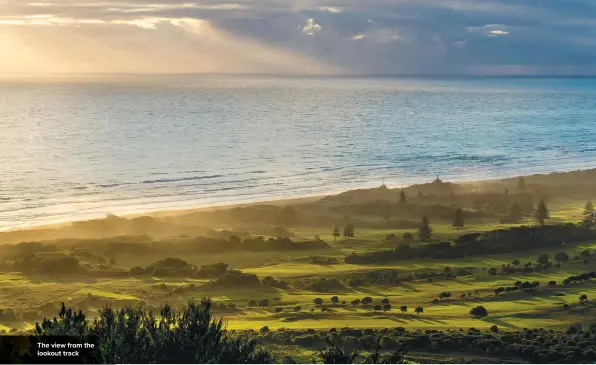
[(305, 37)]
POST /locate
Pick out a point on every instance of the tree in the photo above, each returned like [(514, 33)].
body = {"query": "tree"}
[(445, 295), (541, 214), (366, 300), (588, 208), (318, 301), (377, 308), (458, 220), (297, 308), (479, 312), (499, 290), (585, 254), (424, 231), (386, 307), (385, 301), (543, 259), (403, 308), (583, 298), (335, 299), (515, 262), (334, 354), (252, 303), (515, 212), (521, 184), (335, 233), (402, 197), (349, 231), (355, 302), (278, 310), (419, 310), (264, 303), (132, 335), (561, 257)]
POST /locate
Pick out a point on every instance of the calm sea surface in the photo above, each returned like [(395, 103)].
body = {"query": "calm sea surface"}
[(83, 148)]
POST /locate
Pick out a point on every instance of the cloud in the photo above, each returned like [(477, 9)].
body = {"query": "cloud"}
[(321, 36)]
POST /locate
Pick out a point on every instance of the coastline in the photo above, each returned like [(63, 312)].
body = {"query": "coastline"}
[(170, 213)]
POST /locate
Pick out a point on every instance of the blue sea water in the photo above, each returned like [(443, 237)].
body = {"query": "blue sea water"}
[(77, 148)]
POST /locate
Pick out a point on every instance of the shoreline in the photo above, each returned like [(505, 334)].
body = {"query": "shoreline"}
[(177, 212)]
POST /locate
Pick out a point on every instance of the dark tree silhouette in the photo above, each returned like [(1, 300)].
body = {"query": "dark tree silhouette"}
[(419, 310), (366, 300), (541, 214), (403, 308), (318, 301), (521, 184), (136, 336), (402, 197), (335, 233), (479, 312), (543, 259), (334, 299), (588, 208), (424, 231), (458, 220), (264, 303), (349, 231), (561, 257)]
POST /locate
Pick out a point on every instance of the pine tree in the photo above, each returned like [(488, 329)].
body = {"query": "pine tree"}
[(458, 220), (349, 231), (521, 184), (515, 212), (402, 197), (589, 208), (542, 213), (336, 233), (424, 232)]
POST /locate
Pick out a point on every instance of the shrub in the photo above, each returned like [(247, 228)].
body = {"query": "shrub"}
[(136, 271), (134, 336), (278, 310)]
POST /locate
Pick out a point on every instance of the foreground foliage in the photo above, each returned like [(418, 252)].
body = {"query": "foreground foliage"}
[(135, 336)]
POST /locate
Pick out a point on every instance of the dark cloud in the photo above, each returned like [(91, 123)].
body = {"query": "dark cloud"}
[(380, 36)]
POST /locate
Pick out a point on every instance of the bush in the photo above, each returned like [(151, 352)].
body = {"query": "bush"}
[(134, 336), (136, 271)]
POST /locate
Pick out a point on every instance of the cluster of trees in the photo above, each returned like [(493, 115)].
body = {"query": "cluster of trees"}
[(577, 345), (348, 232), (131, 335), (317, 284), (393, 277), (492, 242)]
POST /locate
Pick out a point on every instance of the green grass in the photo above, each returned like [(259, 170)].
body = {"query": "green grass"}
[(509, 310)]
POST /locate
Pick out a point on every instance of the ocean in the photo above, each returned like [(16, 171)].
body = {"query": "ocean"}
[(81, 147)]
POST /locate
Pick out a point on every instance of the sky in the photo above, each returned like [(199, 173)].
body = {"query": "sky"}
[(552, 37)]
